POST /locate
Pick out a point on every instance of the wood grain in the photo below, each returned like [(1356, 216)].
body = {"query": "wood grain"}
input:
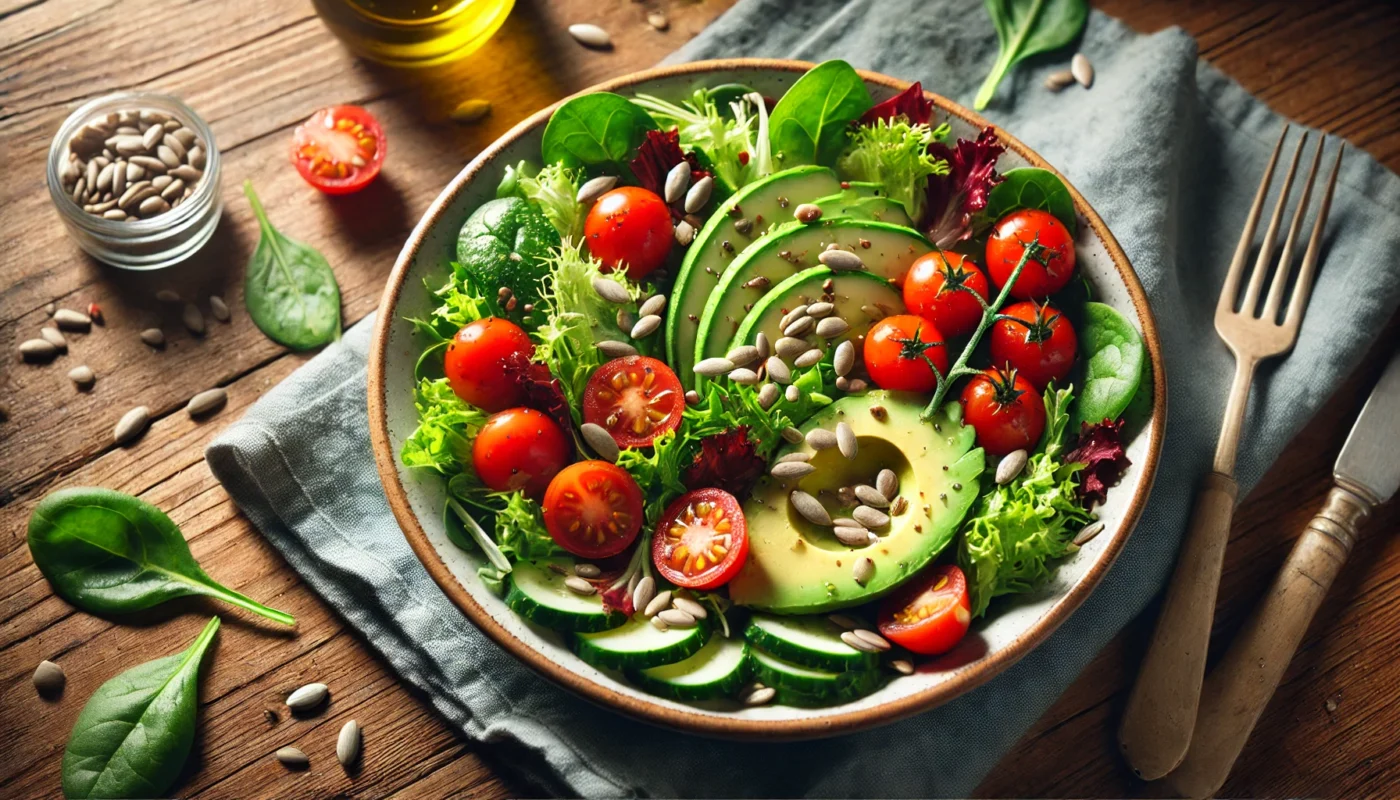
[(255, 69)]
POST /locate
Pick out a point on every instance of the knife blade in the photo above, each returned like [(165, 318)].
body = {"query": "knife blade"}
[(1370, 459)]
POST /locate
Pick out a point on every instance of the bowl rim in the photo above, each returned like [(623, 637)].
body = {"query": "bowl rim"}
[(980, 672)]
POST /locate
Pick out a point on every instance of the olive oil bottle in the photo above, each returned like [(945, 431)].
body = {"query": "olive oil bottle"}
[(413, 33)]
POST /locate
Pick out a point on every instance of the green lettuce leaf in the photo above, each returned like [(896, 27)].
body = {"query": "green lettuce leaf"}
[(442, 442), (520, 530), (894, 154), (555, 191), (731, 143)]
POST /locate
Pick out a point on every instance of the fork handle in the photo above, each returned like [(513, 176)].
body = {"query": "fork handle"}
[(1238, 689), (1161, 710)]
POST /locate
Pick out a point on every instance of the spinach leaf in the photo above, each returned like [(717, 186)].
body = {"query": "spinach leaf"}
[(1029, 187), (1028, 27), (111, 553), (135, 732), (595, 129), (506, 243), (1114, 356), (290, 290), (809, 124)]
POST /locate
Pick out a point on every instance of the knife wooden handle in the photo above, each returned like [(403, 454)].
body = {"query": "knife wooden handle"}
[(1240, 686), (1161, 710)]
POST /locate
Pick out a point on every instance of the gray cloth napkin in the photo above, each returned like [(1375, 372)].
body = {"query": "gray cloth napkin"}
[(1165, 147)]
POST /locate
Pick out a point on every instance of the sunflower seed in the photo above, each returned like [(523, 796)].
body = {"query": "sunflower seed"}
[(473, 109), (685, 233), (855, 386), (863, 571), (185, 136), (712, 367), (658, 20), (746, 377), (899, 506), (852, 537), (292, 758), (69, 320), (856, 643), (596, 188), (874, 312), (800, 327), (795, 456), (846, 522), (104, 177), (206, 402), (691, 607), (760, 696), (49, 678), (610, 290), (1089, 532), (153, 205), (742, 355), (152, 135), (176, 146), (590, 36), (677, 182), (656, 604), (760, 341), (310, 696), (767, 396), (53, 337), (806, 213), (791, 470), (652, 306), (870, 637), (870, 517), (1010, 466), (791, 347), (692, 398), (587, 570), (645, 591), (888, 483), (659, 623), (808, 358), (821, 439), (1082, 70), (699, 194), (127, 144), (871, 496), (778, 370), (196, 158), (132, 424), (347, 745), (173, 190), (599, 441), (903, 666), (168, 157), (152, 166), (82, 376), (846, 440), (831, 327), (1056, 81), (187, 173), (676, 618), (791, 435), (841, 260), (193, 319), (793, 315), (134, 194), (792, 393), (153, 337), (646, 326), (810, 508), (613, 349), (843, 383)]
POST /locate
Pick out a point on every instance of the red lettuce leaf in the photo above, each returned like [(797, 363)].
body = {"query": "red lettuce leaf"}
[(657, 156), (543, 392), (955, 197), (727, 461), (910, 104), (1100, 450), (616, 598)]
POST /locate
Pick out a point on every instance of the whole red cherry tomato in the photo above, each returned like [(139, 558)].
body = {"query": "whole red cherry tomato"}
[(474, 363), (1005, 409), (943, 287), (1038, 341), (898, 350), (1047, 271), (630, 226), (520, 449)]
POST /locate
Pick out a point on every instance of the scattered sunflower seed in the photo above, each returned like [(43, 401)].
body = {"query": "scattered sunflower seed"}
[(845, 358), (792, 435), (768, 395), (699, 194), (760, 341), (831, 327), (820, 310), (677, 182), (660, 624), (49, 678), (821, 439), (168, 296), (712, 367), (293, 758), (53, 337), (692, 398), (791, 347), (578, 585), (657, 604), (743, 355), (760, 696), (841, 260), (792, 393), (808, 358), (613, 349), (310, 696), (845, 621), (903, 666), (871, 496), (193, 319), (219, 308), (595, 188), (846, 440), (610, 290), (856, 643), (888, 483), (652, 306), (685, 233), (1056, 81), (690, 607), (852, 536), (658, 20), (793, 315), (870, 517), (50, 309), (810, 508), (746, 377), (795, 456), (800, 327), (806, 213), (676, 618), (645, 591), (863, 571), (69, 320), (791, 470), (132, 424), (600, 441), (1089, 532), (153, 337), (646, 326), (1082, 70), (471, 110), (870, 637), (207, 402), (778, 370), (347, 744), (82, 376), (587, 570), (1011, 465), (590, 36)]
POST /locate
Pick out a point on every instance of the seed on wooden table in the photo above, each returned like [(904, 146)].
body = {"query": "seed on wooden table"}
[(863, 571), (193, 319), (658, 20), (676, 618), (613, 349), (846, 440), (51, 309), (646, 326), (307, 697), (599, 441), (53, 337), (1056, 81), (70, 320), (653, 305), (746, 377), (871, 496), (768, 395), (831, 327), (872, 638), (685, 233), (800, 327), (610, 290), (207, 402), (856, 643), (808, 358), (888, 483), (645, 591), (806, 213), (590, 35), (49, 678), (852, 536), (347, 745), (870, 517), (677, 182), (742, 355), (1089, 532), (595, 188), (792, 393), (471, 110), (293, 758), (1082, 70), (153, 337), (791, 435), (760, 696), (82, 376), (821, 439), (778, 370), (699, 194), (810, 508), (841, 260), (37, 350), (712, 367), (219, 308), (578, 585), (791, 470), (791, 347), (760, 341), (168, 296)]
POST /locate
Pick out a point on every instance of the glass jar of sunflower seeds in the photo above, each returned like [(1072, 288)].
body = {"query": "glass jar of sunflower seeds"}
[(135, 178)]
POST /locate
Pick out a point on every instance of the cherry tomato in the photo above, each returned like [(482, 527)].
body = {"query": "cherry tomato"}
[(520, 449), (339, 150), (593, 509), (632, 226), (895, 351), (929, 616), (1041, 344), (474, 363), (1005, 409), (702, 540), (1045, 273), (635, 398), (932, 290)]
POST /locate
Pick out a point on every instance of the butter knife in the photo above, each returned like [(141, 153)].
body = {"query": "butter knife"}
[(1235, 693)]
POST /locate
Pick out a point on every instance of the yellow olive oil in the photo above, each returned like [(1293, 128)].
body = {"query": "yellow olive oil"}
[(413, 33)]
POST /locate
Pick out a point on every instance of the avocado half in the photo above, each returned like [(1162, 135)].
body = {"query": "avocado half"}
[(797, 567)]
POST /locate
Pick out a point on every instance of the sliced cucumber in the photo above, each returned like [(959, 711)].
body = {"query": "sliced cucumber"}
[(810, 641), (763, 203), (538, 593), (717, 670), (851, 292), (811, 684), (638, 644)]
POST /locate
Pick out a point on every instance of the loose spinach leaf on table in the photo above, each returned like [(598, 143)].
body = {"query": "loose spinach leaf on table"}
[(1028, 27), (1029, 187), (290, 290), (1114, 356), (809, 124), (600, 128), (135, 732), (111, 553)]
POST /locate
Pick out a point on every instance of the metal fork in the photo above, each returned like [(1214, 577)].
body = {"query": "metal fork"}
[(1161, 710)]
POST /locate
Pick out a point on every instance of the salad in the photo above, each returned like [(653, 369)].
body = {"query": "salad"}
[(767, 400)]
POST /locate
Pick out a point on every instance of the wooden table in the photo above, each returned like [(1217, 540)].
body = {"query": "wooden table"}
[(255, 69)]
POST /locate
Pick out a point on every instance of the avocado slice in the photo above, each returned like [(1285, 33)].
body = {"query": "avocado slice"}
[(887, 250), (762, 203), (857, 202), (851, 293), (796, 567)]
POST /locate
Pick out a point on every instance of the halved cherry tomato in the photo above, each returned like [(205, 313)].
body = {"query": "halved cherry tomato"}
[(475, 358), (931, 615), (895, 351), (632, 226), (339, 149), (702, 540), (1005, 409), (1046, 272), (635, 398), (593, 509), (940, 287), (1038, 341), (520, 449)]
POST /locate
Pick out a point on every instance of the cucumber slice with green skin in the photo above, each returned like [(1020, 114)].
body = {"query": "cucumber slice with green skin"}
[(808, 641), (763, 203), (538, 593), (638, 644), (815, 684), (888, 251), (874, 209), (849, 292), (716, 671)]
